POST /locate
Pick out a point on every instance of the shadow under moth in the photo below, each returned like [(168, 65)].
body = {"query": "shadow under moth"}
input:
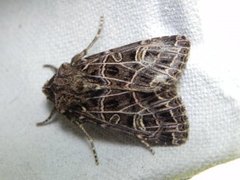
[(132, 89)]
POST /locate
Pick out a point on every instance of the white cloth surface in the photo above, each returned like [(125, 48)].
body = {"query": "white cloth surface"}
[(33, 33)]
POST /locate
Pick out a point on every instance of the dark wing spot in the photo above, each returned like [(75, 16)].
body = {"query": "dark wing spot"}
[(129, 121), (112, 70), (95, 93), (164, 116), (112, 103), (144, 95), (93, 102), (132, 55)]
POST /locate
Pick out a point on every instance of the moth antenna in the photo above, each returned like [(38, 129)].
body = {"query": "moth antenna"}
[(49, 119), (85, 51), (89, 139), (52, 67), (100, 27)]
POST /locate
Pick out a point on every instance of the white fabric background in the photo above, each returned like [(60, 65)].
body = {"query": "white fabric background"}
[(33, 33)]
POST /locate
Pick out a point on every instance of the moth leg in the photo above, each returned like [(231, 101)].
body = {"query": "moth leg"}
[(142, 140), (80, 125), (53, 68), (48, 120), (84, 52)]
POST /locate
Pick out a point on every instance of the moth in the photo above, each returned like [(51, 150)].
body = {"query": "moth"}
[(131, 89)]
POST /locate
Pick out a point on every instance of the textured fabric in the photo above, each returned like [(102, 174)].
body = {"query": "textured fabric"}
[(33, 33)]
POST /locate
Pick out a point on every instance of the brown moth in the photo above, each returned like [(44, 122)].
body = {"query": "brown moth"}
[(132, 89)]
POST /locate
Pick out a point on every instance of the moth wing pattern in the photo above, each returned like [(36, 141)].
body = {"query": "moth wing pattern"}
[(144, 65), (160, 118), (132, 89), (135, 89)]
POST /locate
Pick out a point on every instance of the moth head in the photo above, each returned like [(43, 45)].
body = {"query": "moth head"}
[(48, 89), (58, 88), (66, 86)]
